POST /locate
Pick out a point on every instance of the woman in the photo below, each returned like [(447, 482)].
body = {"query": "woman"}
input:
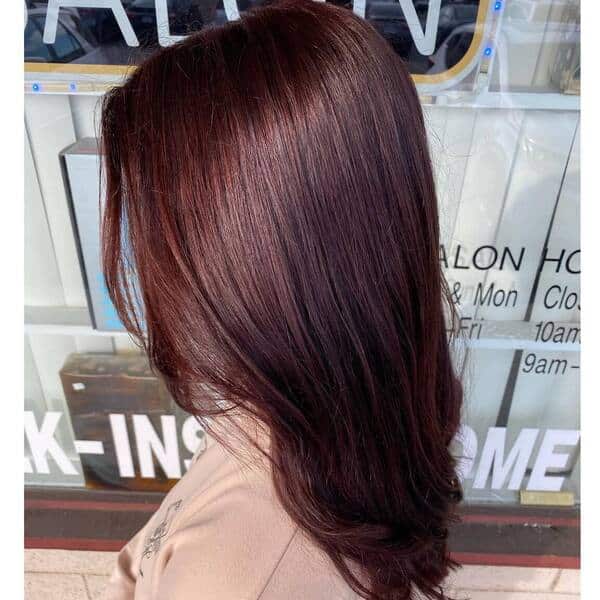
[(270, 193)]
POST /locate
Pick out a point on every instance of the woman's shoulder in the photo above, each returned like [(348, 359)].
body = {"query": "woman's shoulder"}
[(221, 534), (233, 540), (304, 571)]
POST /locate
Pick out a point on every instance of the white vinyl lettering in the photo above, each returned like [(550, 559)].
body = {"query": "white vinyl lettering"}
[(162, 25), (492, 458), (122, 447), (499, 467), (231, 10), (189, 435), (548, 459), (359, 7), (424, 40), (162, 20), (43, 443), (54, 7), (149, 443), (89, 447), (467, 439)]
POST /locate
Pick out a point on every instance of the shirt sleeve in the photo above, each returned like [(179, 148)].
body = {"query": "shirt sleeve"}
[(121, 585), (221, 559), (258, 563)]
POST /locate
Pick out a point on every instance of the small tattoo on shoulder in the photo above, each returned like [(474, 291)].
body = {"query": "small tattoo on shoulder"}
[(153, 542)]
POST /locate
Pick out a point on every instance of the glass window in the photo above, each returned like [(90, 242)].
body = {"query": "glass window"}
[(499, 83), (35, 49), (66, 47)]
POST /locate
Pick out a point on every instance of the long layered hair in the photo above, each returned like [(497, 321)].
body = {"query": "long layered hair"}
[(271, 237)]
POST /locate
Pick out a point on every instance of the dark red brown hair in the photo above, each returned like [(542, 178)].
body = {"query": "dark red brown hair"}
[(271, 236)]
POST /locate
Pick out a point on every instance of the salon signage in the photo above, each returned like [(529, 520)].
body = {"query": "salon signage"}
[(139, 452), (81, 41)]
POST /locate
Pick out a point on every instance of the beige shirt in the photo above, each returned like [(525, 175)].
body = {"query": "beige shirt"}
[(221, 534)]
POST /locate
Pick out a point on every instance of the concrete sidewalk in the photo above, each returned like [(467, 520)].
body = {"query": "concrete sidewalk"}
[(70, 575)]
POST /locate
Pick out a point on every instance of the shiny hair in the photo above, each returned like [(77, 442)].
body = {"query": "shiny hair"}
[(271, 237)]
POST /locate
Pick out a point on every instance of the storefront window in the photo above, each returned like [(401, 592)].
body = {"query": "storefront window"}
[(499, 82)]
